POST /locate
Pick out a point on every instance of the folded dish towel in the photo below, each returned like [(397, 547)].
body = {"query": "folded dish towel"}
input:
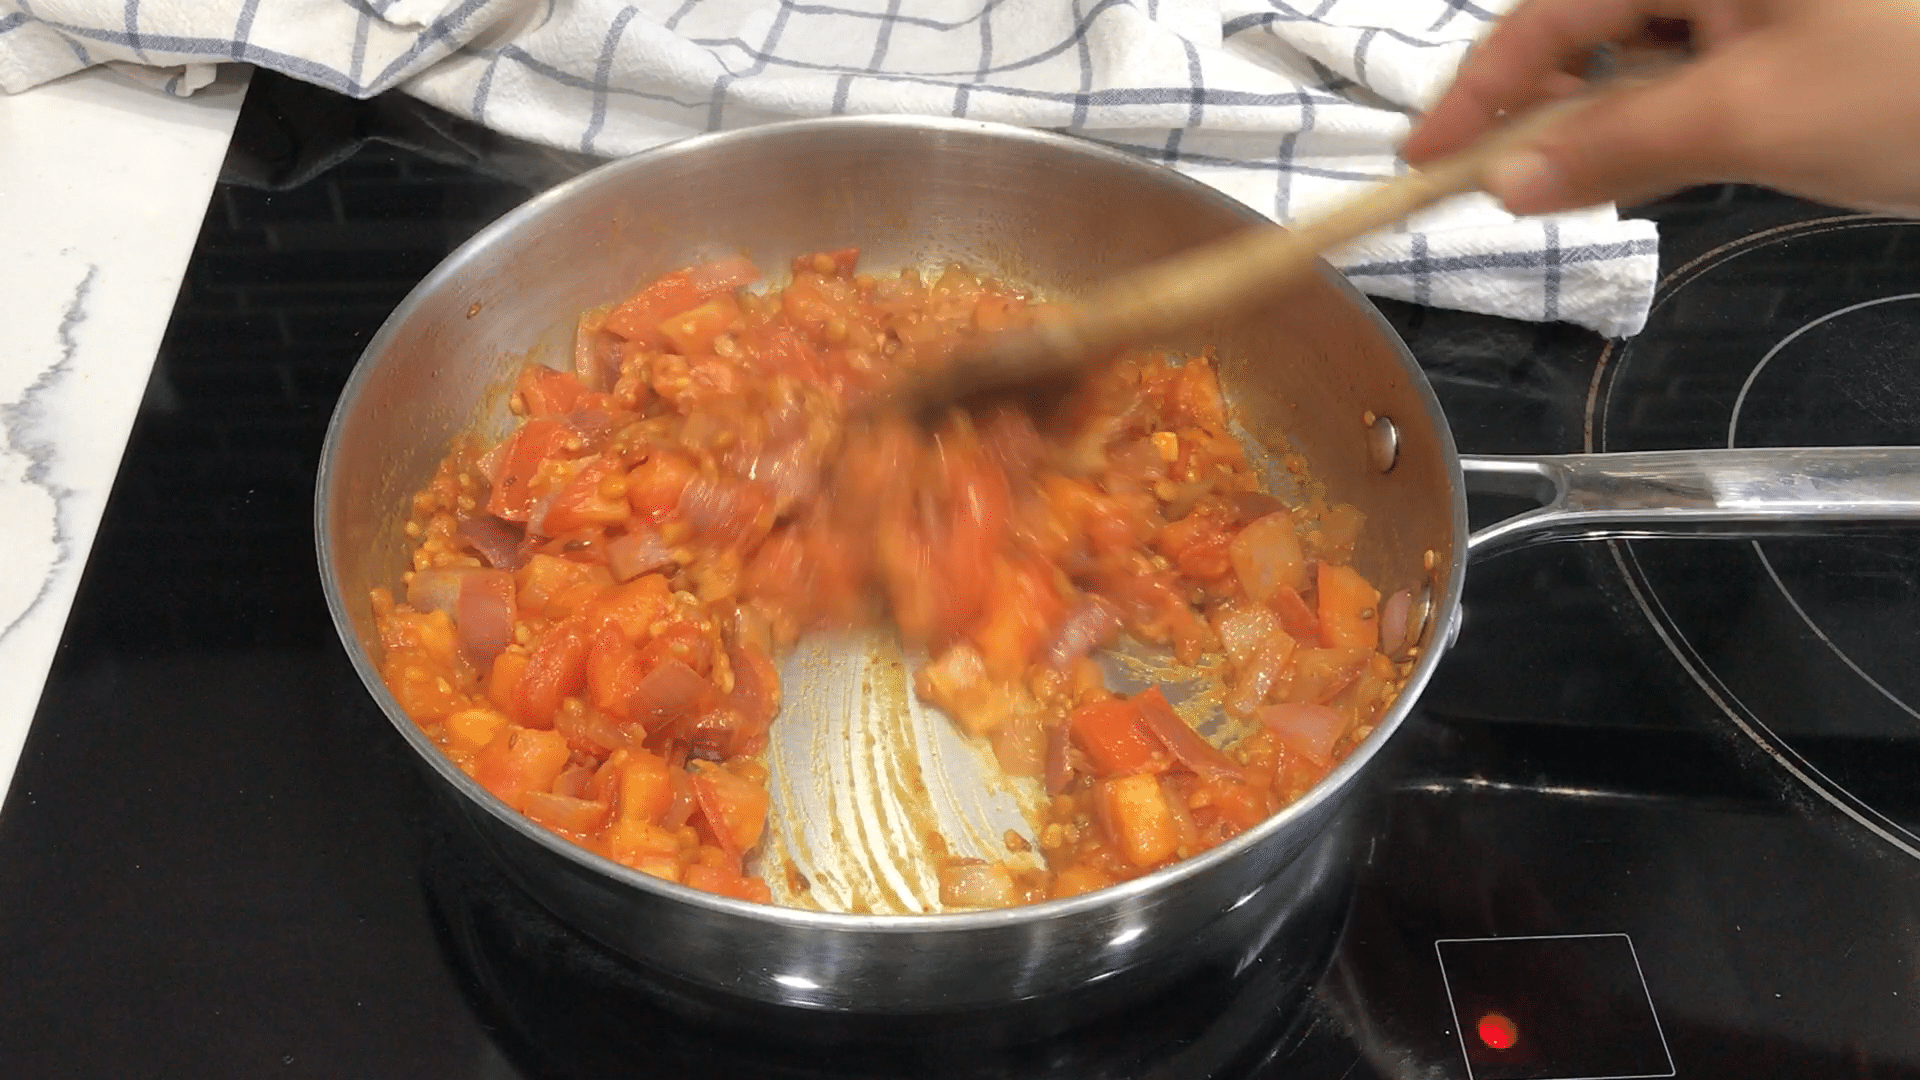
[(1283, 104)]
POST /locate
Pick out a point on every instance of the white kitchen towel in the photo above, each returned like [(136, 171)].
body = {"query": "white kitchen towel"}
[(1283, 104)]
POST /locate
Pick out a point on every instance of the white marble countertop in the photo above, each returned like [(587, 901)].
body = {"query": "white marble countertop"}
[(104, 185)]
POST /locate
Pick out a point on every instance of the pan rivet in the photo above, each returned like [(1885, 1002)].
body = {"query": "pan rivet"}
[(1383, 442)]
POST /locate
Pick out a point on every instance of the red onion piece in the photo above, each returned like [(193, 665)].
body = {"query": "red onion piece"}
[(640, 551), (1393, 622), (720, 509), (497, 542), (974, 883), (1185, 744), (485, 613), (435, 590), (1243, 628), (723, 275), (666, 692), (1020, 745), (1262, 673), (756, 686), (1267, 557), (1093, 625), (573, 781), (592, 425), (685, 802), (1059, 766), (1310, 730)]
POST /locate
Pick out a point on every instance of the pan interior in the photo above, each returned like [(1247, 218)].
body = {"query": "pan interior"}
[(860, 772)]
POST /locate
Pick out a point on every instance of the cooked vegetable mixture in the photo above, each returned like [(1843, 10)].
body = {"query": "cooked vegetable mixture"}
[(594, 602)]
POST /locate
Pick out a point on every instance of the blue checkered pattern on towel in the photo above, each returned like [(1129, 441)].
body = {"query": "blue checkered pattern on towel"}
[(1283, 104)]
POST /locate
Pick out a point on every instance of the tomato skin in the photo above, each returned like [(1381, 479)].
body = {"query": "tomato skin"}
[(1116, 739), (556, 668)]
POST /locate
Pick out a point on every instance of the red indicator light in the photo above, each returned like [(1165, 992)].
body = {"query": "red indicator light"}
[(1498, 1032)]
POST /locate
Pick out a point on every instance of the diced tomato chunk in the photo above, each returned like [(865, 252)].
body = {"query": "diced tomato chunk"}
[(556, 668), (1137, 818), (547, 392), (639, 318), (520, 761), (1116, 739), (1349, 608), (513, 496)]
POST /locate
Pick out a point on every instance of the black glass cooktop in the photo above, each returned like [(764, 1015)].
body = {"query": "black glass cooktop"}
[(1655, 816)]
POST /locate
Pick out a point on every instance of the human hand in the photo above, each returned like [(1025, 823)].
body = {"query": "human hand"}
[(1812, 97)]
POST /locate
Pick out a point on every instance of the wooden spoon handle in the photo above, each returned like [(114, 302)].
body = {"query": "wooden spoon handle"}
[(1255, 263)]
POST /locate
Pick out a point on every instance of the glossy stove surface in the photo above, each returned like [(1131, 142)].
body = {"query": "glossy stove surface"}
[(1672, 781)]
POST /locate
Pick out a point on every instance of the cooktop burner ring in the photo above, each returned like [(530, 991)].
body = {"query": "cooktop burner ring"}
[(1613, 409)]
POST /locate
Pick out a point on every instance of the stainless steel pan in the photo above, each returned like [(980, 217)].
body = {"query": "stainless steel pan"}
[(859, 770)]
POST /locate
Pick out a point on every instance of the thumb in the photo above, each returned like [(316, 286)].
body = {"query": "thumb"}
[(1631, 143)]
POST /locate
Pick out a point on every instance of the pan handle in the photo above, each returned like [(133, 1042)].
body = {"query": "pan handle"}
[(1724, 493)]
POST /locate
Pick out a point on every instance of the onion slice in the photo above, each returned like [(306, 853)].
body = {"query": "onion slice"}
[(497, 541), (1185, 744), (639, 552), (1310, 730), (1393, 622), (668, 691), (485, 613)]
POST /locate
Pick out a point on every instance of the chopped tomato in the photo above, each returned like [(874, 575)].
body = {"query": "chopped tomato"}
[(1199, 546), (505, 678), (631, 607), (547, 392), (1349, 608), (1137, 818), (655, 486), (566, 813), (596, 495), (735, 809), (513, 495), (725, 882), (519, 762), (639, 318), (692, 332), (1116, 739), (646, 788), (596, 603), (556, 668)]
